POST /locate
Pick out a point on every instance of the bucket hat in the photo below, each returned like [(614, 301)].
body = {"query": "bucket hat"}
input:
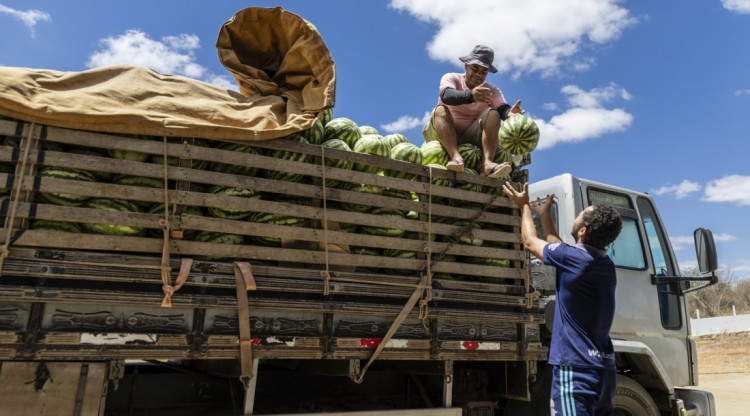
[(480, 55)]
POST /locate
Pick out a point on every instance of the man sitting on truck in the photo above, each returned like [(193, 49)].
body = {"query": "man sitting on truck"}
[(581, 351), (469, 110)]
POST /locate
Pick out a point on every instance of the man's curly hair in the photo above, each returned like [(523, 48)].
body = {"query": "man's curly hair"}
[(603, 225)]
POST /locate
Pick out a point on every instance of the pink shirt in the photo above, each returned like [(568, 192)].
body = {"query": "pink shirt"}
[(464, 115)]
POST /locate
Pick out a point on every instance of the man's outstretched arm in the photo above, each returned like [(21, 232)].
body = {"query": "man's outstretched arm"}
[(531, 241)]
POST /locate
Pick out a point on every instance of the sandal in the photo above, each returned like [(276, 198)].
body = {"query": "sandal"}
[(500, 170), (455, 165)]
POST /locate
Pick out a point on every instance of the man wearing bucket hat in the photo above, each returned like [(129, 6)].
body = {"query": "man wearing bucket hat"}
[(470, 110)]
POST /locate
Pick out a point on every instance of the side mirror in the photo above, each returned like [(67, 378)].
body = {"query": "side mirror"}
[(705, 249)]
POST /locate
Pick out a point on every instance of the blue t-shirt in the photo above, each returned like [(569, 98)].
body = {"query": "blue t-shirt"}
[(585, 306)]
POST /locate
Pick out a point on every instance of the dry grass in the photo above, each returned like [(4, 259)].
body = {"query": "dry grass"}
[(725, 353)]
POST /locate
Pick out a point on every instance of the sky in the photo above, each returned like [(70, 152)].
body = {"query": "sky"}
[(652, 96)]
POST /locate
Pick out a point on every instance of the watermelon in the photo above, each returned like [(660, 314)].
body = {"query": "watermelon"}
[(397, 193), (325, 116), (315, 134), (143, 181), (92, 151), (519, 135), (368, 130), (467, 236), (275, 219), (389, 232), (113, 229), (393, 139), (433, 153), (62, 198), (400, 254), (367, 189), (469, 186), (232, 213), (405, 152), (486, 261), (371, 144), (472, 156), (50, 225), (440, 181), (128, 155), (7, 167), (218, 238), (287, 155), (246, 170), (344, 129), (336, 163)]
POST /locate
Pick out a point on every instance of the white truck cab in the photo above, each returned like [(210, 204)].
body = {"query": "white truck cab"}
[(656, 356)]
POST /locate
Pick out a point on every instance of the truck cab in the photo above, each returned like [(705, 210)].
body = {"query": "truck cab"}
[(656, 357)]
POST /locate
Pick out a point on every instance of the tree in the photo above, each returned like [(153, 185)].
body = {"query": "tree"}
[(714, 300)]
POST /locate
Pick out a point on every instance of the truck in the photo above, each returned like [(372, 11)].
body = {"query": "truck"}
[(180, 269)]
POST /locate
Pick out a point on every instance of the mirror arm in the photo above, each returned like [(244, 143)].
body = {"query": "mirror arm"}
[(710, 280)]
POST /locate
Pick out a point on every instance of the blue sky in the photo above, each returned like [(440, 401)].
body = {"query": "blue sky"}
[(647, 95)]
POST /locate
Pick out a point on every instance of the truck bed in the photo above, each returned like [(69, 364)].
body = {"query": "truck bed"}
[(314, 295)]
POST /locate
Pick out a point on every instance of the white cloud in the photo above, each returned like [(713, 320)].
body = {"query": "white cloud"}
[(29, 18), (542, 36), (737, 6), (171, 55), (682, 242), (586, 117), (745, 91), (404, 123), (680, 190), (730, 188)]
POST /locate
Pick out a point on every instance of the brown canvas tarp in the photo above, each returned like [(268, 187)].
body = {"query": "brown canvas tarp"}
[(285, 74)]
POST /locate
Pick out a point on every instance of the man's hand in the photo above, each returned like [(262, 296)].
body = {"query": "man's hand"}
[(520, 198), (482, 94), (516, 110), (543, 206)]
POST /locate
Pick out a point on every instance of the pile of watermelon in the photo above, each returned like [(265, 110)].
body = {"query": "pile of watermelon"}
[(342, 134)]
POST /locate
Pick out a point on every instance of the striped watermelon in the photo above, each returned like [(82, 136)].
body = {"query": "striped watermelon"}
[(344, 129), (232, 213), (287, 155), (405, 152), (519, 135), (368, 130), (366, 189), (93, 151), (336, 163), (316, 133), (371, 144), (274, 219), (397, 193), (128, 155), (62, 198), (486, 261), (325, 116), (217, 238), (400, 254), (389, 232), (472, 156), (143, 181), (469, 186), (393, 139), (433, 153), (7, 167), (246, 170), (467, 236), (448, 183), (120, 205), (51, 225)]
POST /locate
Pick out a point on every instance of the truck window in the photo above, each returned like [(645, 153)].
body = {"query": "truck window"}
[(663, 265), (627, 250)]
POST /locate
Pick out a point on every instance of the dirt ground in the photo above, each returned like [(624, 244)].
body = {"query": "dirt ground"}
[(724, 370)]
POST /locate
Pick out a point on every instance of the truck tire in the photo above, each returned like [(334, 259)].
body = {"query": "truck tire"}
[(633, 400)]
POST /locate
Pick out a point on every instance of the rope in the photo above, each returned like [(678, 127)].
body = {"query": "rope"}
[(325, 274), (10, 219), (166, 270)]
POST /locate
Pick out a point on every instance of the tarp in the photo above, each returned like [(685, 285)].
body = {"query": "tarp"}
[(285, 73)]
